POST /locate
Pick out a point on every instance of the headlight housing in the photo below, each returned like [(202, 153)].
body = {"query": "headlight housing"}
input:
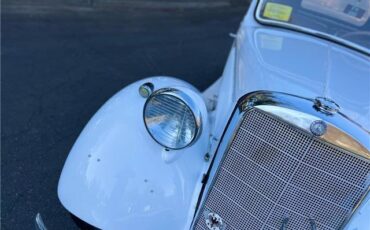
[(172, 118)]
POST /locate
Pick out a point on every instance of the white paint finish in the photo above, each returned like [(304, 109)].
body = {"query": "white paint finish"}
[(361, 219), (211, 93), (274, 59), (117, 177), (225, 99)]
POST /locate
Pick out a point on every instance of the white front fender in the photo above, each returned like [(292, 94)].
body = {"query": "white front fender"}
[(117, 177)]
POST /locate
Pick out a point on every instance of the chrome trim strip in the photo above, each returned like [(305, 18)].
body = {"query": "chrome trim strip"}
[(39, 223), (282, 102), (307, 31)]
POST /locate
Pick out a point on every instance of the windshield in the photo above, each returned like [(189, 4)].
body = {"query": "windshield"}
[(346, 21)]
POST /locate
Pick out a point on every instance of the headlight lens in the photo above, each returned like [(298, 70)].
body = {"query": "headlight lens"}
[(170, 121)]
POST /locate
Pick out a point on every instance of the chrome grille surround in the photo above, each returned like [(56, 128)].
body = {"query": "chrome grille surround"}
[(271, 169)]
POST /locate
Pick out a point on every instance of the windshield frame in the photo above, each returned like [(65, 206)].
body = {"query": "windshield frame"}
[(285, 25)]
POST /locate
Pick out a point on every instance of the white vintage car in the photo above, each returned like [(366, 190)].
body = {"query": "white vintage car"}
[(280, 141)]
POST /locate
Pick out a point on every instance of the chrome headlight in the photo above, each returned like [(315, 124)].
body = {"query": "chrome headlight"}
[(171, 118)]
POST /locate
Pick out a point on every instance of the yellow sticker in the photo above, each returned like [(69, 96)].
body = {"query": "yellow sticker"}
[(277, 11)]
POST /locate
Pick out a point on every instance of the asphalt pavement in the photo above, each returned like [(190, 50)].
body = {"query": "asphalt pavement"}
[(59, 65)]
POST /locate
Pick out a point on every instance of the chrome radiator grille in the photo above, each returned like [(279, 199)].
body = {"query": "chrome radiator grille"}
[(273, 171)]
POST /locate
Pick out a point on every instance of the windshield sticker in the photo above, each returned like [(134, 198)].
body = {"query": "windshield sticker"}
[(354, 11), (277, 11)]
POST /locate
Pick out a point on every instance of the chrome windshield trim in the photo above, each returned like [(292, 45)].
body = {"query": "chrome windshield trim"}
[(316, 33)]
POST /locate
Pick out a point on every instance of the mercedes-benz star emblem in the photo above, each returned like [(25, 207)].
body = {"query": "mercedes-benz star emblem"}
[(318, 128), (214, 221)]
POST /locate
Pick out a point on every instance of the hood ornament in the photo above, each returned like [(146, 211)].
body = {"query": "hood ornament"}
[(326, 105)]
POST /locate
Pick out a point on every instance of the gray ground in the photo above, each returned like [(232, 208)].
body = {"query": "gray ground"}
[(60, 66)]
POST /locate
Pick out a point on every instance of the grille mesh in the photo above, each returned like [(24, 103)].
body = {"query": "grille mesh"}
[(272, 171)]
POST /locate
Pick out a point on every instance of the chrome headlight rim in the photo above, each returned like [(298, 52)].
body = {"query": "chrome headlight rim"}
[(184, 95)]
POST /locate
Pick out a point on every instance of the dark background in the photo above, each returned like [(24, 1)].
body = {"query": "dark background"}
[(60, 63)]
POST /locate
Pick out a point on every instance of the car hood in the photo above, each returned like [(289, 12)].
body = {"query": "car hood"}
[(286, 61)]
